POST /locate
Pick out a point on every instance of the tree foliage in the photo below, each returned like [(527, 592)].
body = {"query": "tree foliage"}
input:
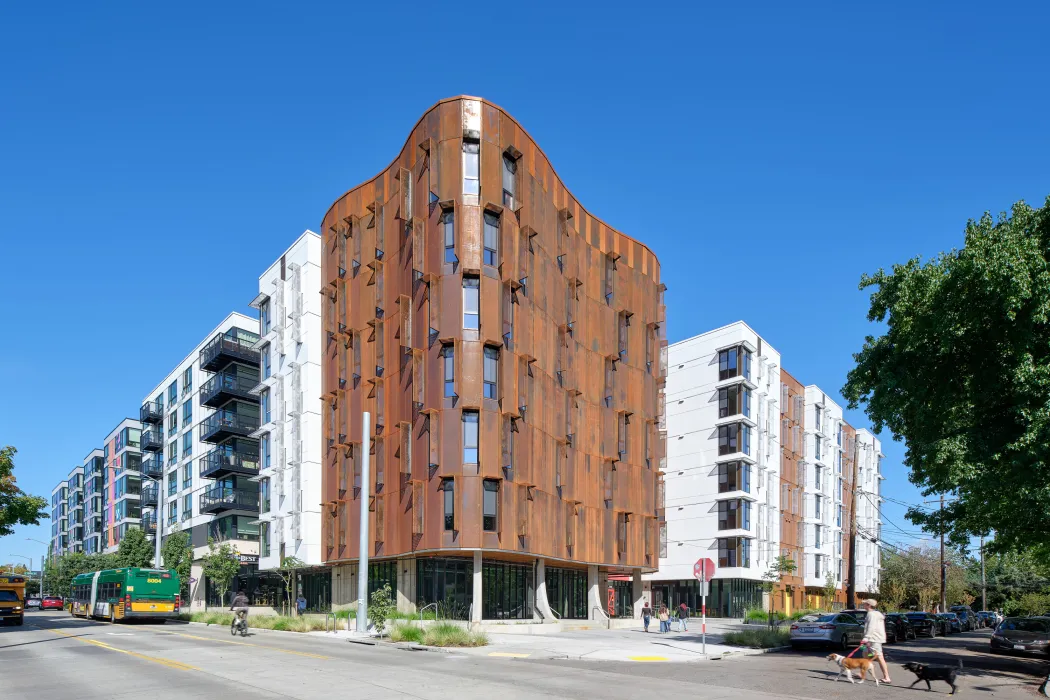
[(177, 554), (911, 578), (135, 550), (1008, 577), (287, 571), (962, 375), (16, 506), (380, 608), (220, 566), (59, 572)]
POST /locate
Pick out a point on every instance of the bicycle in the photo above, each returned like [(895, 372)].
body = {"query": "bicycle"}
[(239, 624)]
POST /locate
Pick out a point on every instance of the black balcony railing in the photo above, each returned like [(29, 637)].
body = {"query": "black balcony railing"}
[(153, 466), (230, 460), (149, 495), (235, 345), (226, 386), (153, 440), (151, 412), (224, 424), (220, 498), (149, 523)]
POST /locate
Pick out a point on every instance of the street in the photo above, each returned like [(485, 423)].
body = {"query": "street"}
[(54, 657)]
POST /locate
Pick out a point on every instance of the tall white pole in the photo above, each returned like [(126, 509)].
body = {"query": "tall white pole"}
[(158, 515), (362, 546)]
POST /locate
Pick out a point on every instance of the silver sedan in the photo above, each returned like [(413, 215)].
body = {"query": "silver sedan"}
[(836, 629)]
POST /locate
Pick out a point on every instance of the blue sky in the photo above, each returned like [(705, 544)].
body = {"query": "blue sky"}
[(154, 160)]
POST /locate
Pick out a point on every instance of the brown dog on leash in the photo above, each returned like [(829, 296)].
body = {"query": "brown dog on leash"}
[(848, 665)]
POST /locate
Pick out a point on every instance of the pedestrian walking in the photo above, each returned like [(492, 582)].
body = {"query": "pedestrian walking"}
[(683, 617), (300, 604), (875, 636), (665, 619), (647, 615)]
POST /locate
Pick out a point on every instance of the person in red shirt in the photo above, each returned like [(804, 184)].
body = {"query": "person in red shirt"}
[(683, 617)]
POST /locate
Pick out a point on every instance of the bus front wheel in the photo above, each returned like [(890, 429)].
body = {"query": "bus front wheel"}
[(112, 615)]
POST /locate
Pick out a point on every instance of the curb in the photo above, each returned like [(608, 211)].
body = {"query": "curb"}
[(747, 651), (403, 646)]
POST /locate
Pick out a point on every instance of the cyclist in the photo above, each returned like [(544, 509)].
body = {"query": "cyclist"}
[(240, 607)]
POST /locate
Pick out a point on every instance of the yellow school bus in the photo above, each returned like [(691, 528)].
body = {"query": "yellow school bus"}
[(12, 598)]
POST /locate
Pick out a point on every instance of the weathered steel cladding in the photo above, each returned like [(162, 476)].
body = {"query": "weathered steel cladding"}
[(398, 307)]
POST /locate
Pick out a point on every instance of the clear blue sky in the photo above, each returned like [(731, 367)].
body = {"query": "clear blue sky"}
[(154, 160)]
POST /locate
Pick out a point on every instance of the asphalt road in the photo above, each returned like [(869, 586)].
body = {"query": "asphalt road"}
[(55, 657)]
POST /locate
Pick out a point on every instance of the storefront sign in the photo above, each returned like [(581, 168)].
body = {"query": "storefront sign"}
[(248, 558)]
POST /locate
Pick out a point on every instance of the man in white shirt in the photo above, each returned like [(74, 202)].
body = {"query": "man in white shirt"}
[(875, 635)]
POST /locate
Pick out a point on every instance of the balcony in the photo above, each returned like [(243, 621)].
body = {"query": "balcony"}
[(151, 412), (153, 466), (149, 495), (153, 440), (235, 345), (226, 424), (226, 386), (149, 523), (230, 460), (221, 498)]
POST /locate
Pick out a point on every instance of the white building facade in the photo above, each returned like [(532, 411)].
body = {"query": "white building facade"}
[(289, 391), (869, 505), (722, 479), (824, 491)]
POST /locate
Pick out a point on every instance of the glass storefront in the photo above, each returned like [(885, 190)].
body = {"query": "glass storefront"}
[(382, 573), (728, 597), (508, 591), (449, 583), (567, 592)]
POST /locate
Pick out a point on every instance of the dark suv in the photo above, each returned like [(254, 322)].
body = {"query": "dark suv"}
[(967, 619)]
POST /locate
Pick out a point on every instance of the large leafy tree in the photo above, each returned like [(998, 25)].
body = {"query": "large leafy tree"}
[(59, 572), (962, 375), (16, 506), (135, 550), (220, 565), (178, 555)]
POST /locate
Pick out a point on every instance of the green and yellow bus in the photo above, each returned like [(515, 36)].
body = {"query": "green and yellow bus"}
[(123, 594)]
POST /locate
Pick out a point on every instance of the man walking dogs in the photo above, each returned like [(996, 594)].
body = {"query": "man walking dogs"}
[(875, 635)]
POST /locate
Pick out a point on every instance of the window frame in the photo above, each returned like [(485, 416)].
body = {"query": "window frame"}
[(490, 520), (471, 152), (448, 356), (491, 358), (448, 504), (471, 417), (490, 255), (448, 234), (472, 297)]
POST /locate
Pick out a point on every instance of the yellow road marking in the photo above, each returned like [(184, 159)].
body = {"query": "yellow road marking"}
[(647, 658), (245, 644), (178, 665), (509, 655)]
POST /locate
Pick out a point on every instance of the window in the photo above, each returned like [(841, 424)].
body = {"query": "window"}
[(734, 476), (173, 452), (734, 400), (187, 444), (816, 477), (187, 413), (266, 368), (733, 514), (491, 372), (816, 508), (173, 421), (471, 167), (610, 278), (187, 476), (735, 437), (264, 450), (264, 495), (448, 353), (264, 539), (173, 482), (816, 531), (448, 225), (816, 415), (838, 518), (449, 487), (187, 506), (490, 254), (264, 316), (265, 405), (734, 551), (187, 380), (470, 437), (471, 289), (173, 393), (490, 510), (816, 446), (734, 362), (510, 177)]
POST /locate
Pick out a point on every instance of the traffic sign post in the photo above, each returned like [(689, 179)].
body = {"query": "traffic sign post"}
[(703, 570)]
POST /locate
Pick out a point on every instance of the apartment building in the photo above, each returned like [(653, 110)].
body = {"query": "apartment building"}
[(290, 350), (94, 541), (121, 482), (823, 494), (507, 345), (791, 592), (59, 519), (723, 475), (869, 504), (199, 457), (75, 510)]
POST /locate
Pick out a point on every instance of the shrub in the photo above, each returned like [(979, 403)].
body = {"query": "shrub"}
[(762, 616), (762, 639), (448, 634), (407, 633), (798, 614)]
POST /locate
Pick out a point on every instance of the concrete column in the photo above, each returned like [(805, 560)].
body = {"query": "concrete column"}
[(542, 609), (637, 591), (594, 594), (475, 617), (197, 599), (406, 585)]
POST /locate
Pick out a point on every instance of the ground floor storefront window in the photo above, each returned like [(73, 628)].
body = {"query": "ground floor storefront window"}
[(727, 598), (623, 599), (382, 573), (507, 591), (447, 583), (567, 592), (263, 588), (316, 587)]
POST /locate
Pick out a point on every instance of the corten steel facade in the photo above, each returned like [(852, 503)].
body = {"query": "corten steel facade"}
[(791, 592), (468, 293)]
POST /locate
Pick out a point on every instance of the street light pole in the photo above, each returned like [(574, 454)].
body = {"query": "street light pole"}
[(944, 577), (30, 539), (984, 590)]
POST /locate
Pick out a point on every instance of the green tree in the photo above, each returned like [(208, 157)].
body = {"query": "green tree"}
[(220, 566), (135, 550), (16, 506), (779, 568), (287, 574), (178, 555), (830, 586), (961, 373), (60, 571), (380, 608)]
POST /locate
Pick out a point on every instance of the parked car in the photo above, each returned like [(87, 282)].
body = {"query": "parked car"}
[(954, 624), (925, 624), (52, 602), (1029, 635), (986, 618), (966, 617), (837, 629), (862, 615), (903, 629), (33, 601)]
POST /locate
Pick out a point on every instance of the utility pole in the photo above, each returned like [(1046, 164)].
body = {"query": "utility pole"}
[(944, 573), (851, 580), (984, 590)]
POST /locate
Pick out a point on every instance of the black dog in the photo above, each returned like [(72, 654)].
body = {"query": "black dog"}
[(927, 672)]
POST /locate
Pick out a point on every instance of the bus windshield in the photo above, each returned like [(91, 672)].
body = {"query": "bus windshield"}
[(8, 596)]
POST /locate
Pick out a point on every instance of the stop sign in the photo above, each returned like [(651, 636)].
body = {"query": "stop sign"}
[(703, 569)]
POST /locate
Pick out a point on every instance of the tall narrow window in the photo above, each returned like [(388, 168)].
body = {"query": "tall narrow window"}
[(490, 506), (470, 437), (448, 486), (448, 225), (491, 372), (491, 252), (265, 400), (471, 304), (448, 361), (264, 317), (510, 180), (266, 362), (471, 167)]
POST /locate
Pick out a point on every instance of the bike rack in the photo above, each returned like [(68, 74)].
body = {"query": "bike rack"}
[(431, 605)]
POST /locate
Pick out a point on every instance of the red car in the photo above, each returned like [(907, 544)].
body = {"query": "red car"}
[(52, 602)]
